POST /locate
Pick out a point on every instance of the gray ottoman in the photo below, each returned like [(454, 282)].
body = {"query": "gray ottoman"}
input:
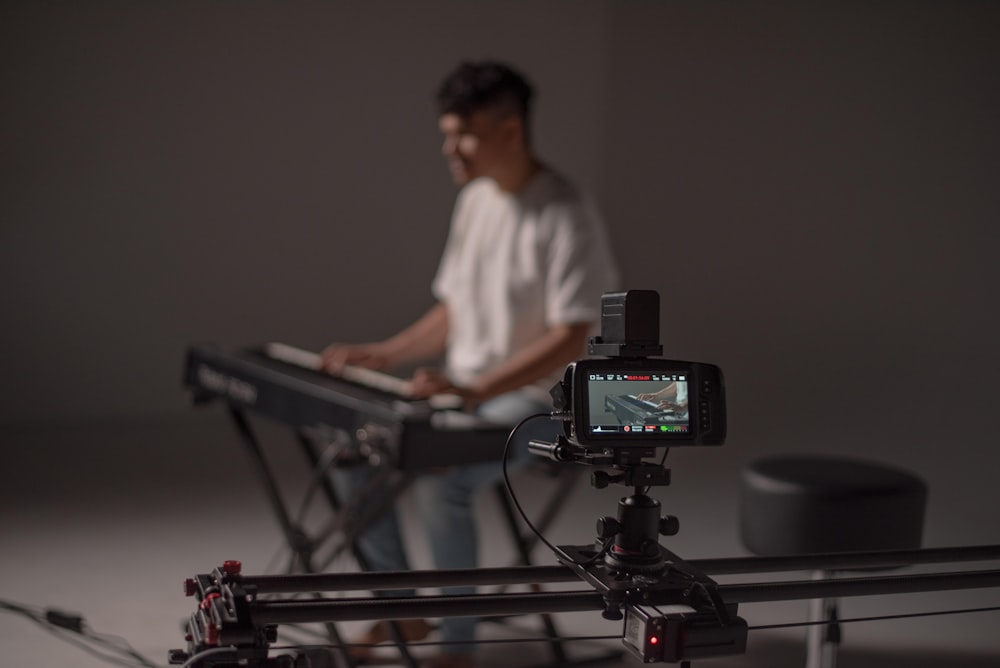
[(798, 504)]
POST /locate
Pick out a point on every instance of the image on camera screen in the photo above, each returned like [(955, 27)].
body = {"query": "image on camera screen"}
[(628, 403)]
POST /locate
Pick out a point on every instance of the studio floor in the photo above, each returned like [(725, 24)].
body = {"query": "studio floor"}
[(107, 519)]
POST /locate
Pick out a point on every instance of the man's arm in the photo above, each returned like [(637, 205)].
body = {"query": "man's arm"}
[(559, 346), (669, 391), (422, 340)]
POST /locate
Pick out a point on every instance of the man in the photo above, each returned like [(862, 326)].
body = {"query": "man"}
[(518, 292), (673, 397)]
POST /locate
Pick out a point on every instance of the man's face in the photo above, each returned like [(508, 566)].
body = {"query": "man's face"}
[(475, 145)]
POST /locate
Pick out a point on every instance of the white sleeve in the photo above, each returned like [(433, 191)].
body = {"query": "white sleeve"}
[(444, 280), (581, 267)]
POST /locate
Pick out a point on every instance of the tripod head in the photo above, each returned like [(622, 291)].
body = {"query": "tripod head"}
[(632, 535)]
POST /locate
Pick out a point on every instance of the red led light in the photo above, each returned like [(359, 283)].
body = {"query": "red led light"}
[(653, 640)]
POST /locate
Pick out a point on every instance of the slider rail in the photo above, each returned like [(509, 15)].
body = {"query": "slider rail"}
[(236, 610), (353, 609), (273, 611), (841, 561)]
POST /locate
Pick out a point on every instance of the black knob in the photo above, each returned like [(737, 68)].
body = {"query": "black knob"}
[(608, 527), (669, 525), (600, 479)]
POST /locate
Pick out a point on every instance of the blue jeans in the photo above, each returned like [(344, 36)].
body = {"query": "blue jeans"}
[(444, 502)]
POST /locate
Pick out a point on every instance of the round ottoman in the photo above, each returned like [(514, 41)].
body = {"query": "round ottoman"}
[(801, 504)]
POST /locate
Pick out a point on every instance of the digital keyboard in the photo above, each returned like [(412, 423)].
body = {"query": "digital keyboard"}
[(284, 384), (633, 411)]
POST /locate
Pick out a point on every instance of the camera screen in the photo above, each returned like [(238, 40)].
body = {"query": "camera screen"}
[(626, 404)]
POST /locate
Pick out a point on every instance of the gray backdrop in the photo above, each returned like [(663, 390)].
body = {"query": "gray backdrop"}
[(813, 191)]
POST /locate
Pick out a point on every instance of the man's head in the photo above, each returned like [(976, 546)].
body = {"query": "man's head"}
[(484, 109)]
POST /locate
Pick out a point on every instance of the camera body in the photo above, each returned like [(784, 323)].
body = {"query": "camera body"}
[(631, 398)]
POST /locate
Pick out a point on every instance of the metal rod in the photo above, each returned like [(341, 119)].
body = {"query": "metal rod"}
[(312, 582), (274, 612), (270, 584), (847, 560), (844, 587), (301, 612)]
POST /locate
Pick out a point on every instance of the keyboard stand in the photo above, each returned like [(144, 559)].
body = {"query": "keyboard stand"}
[(302, 546)]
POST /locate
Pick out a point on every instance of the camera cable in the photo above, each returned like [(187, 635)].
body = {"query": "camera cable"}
[(605, 546)]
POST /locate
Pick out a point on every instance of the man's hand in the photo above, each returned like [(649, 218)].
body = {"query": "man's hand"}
[(427, 382), (422, 340), (368, 355)]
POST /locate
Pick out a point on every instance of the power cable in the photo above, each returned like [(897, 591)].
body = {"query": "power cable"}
[(72, 629)]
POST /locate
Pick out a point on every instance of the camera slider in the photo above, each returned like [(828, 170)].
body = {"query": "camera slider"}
[(670, 617)]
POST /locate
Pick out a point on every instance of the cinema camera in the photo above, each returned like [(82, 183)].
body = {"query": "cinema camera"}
[(618, 408), (600, 397)]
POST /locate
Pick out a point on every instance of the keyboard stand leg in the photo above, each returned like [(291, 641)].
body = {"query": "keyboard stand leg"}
[(295, 537), (350, 529)]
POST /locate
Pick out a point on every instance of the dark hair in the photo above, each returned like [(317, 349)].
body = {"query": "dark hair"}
[(484, 86)]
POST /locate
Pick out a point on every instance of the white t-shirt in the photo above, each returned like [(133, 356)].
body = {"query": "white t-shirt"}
[(515, 264), (682, 395)]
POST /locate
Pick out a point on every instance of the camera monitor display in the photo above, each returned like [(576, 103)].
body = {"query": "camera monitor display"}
[(647, 402), (629, 402)]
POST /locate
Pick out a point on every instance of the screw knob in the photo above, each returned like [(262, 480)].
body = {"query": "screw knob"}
[(608, 527), (669, 525)]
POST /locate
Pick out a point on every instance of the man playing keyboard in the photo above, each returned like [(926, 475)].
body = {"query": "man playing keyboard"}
[(518, 291), (673, 397)]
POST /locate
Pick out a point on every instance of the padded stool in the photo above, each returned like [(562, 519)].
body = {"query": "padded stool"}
[(797, 504)]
